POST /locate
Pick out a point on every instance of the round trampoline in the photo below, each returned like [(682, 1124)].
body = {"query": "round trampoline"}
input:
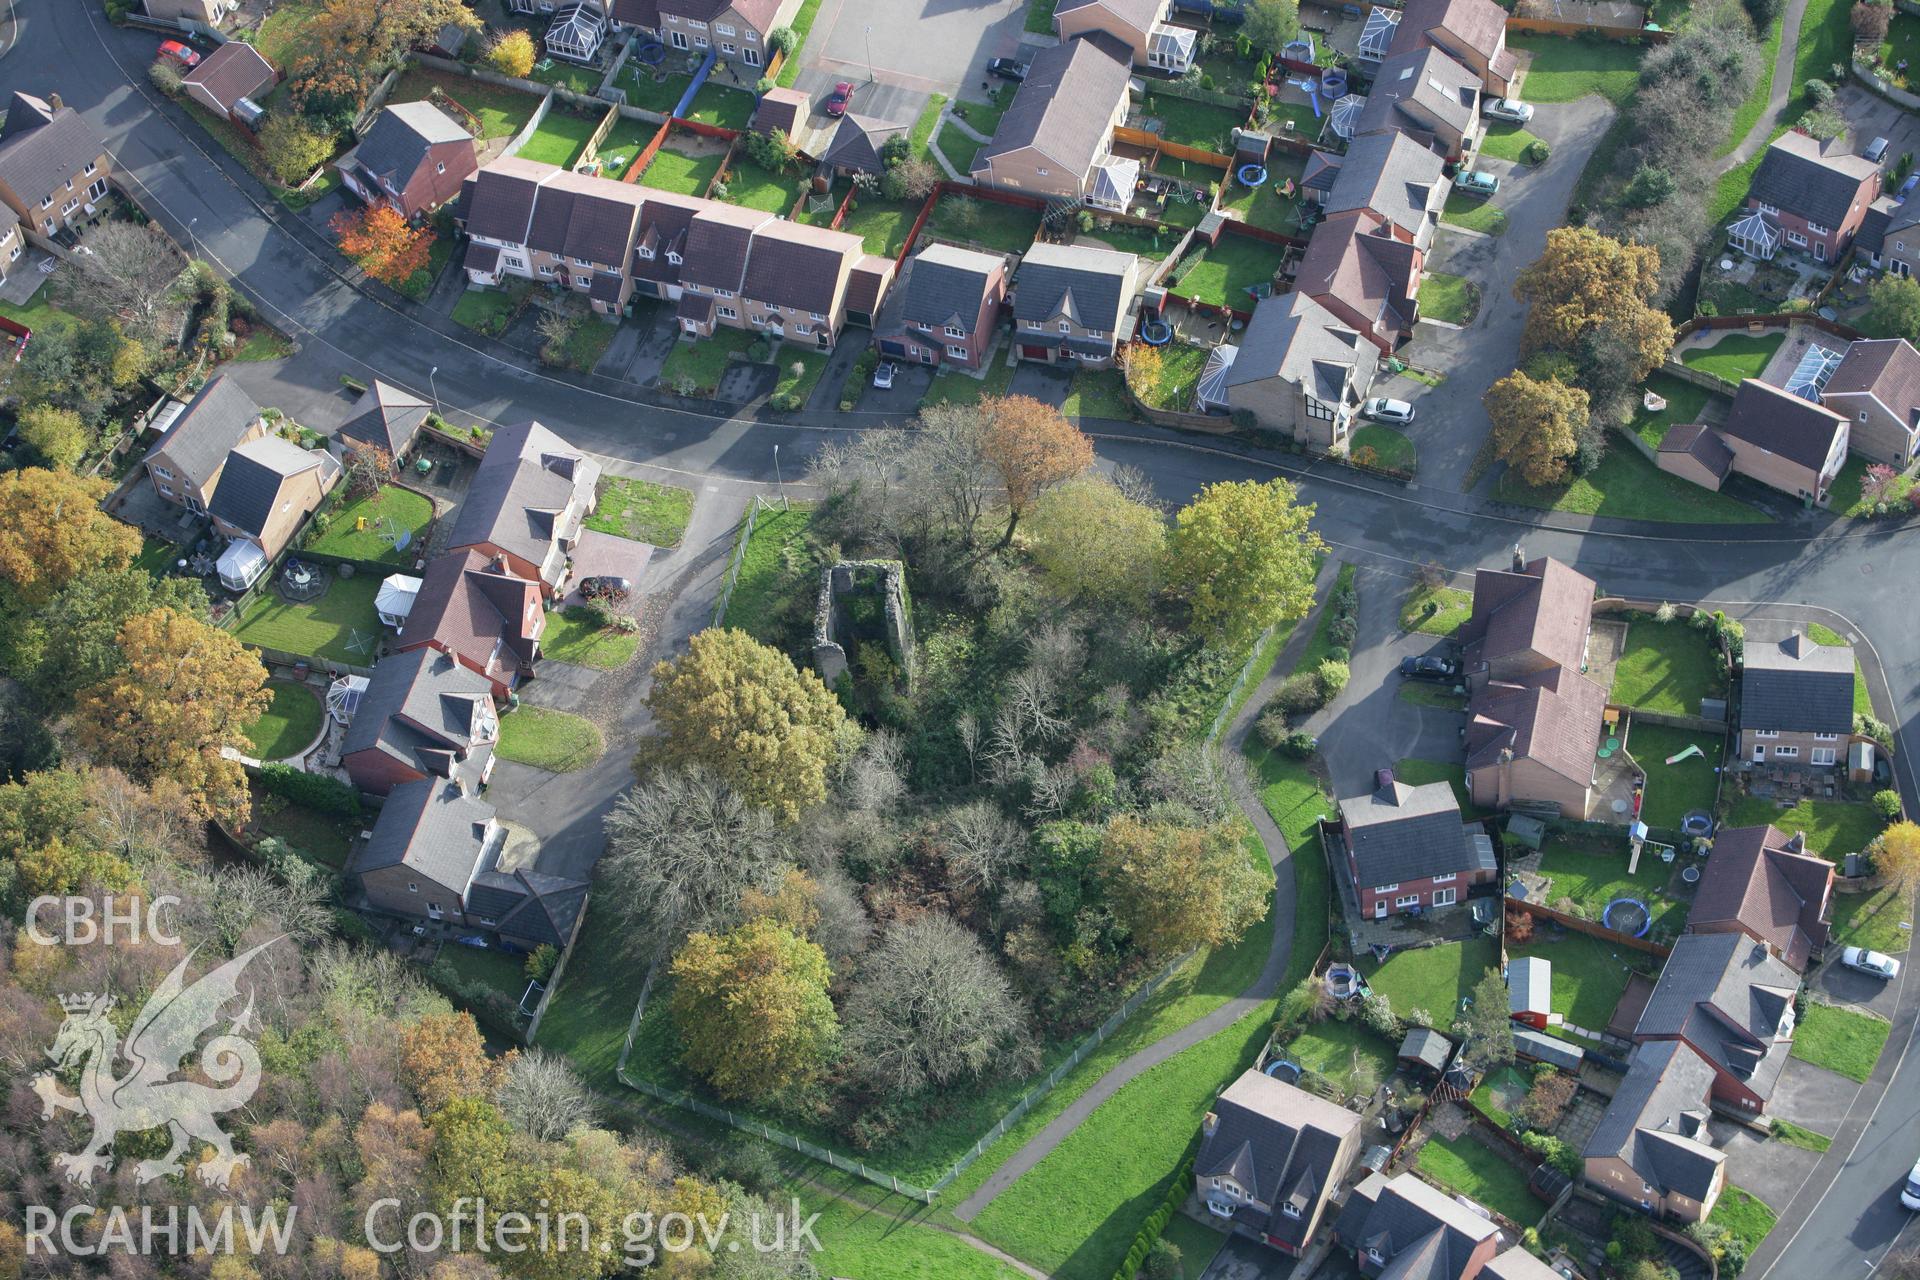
[(1252, 175), (1333, 82), (1698, 822), (1343, 981), (1283, 1071), (1690, 875), (650, 54), (1156, 333), (1627, 915)]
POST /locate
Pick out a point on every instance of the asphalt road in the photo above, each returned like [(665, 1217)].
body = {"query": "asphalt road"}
[(1849, 1208)]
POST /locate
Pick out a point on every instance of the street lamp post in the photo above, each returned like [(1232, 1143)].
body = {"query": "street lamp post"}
[(778, 482), (434, 390), (870, 76)]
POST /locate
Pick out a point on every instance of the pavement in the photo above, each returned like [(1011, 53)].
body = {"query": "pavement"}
[(1783, 88), (924, 46)]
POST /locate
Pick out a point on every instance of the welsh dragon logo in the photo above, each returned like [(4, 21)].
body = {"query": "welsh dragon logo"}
[(167, 1031)]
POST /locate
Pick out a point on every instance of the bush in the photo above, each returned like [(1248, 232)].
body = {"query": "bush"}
[(1299, 694), (1562, 1157), (541, 961), (1888, 803), (1867, 727), (1333, 676), (1376, 1014), (1163, 1261), (165, 76), (311, 790)]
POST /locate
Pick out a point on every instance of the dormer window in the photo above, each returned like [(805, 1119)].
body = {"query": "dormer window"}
[(645, 252), (1066, 326), (1291, 1209), (1374, 1256), (673, 257)]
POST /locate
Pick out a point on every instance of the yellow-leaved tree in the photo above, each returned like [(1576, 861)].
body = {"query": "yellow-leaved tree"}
[(1243, 554), (52, 530), (1536, 425), (1177, 887), (752, 1010)]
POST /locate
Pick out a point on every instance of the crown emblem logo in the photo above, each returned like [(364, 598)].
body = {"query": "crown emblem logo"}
[(78, 1002)]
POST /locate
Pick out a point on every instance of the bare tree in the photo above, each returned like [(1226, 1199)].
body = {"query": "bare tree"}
[(1035, 699), (980, 843), (931, 1009), (122, 272), (844, 928), (1049, 789), (542, 1096), (968, 727), (1193, 777), (225, 907), (682, 846), (874, 783)]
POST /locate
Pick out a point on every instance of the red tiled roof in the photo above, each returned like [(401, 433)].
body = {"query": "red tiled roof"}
[(1773, 892), (233, 71)]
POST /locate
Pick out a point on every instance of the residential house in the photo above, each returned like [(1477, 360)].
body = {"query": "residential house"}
[(1358, 268), (1394, 177), (1072, 304), (1472, 32), (1131, 23), (1055, 134), (233, 71), (12, 242), (1807, 195), (267, 489), (471, 608), (385, 417), (1785, 441), (576, 230), (1405, 849), (526, 503), (945, 309), (422, 715), (1796, 700), (1427, 95), (857, 144), (1766, 885), (577, 31), (1533, 741), (184, 464), (415, 158), (54, 168), (791, 278), (213, 13), (1401, 1228), (1271, 1156), (1889, 236), (1694, 451), (1526, 620), (1300, 371), (1652, 1148), (737, 31), (1730, 999), (1877, 387)]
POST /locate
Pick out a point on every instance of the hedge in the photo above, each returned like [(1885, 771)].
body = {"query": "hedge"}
[(315, 791), (1156, 1222)]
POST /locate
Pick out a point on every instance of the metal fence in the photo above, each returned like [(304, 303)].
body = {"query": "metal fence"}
[(740, 552), (1248, 671)]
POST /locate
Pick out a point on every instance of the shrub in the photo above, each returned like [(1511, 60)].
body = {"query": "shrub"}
[(1163, 1261), (1537, 152), (541, 961), (312, 790), (1818, 91), (165, 76), (1333, 676), (1376, 1014), (1299, 694), (1244, 420), (1888, 803), (1564, 1158), (1206, 82), (1272, 727), (1867, 727)]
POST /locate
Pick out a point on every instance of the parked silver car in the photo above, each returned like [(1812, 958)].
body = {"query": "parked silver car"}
[(1870, 962), (1381, 409), (1511, 110)]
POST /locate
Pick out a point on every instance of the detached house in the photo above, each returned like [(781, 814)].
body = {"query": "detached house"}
[(1472, 32), (525, 505), (1652, 1148), (1527, 620), (477, 613), (1785, 441), (1394, 177), (1876, 387), (184, 464), (267, 489), (1766, 885), (233, 71), (945, 309), (422, 715), (1729, 999), (1357, 267), (1271, 1156), (737, 31), (1139, 25), (1407, 850), (1299, 370), (1428, 96), (1796, 701), (1806, 195), (53, 166), (1401, 1228), (1072, 304), (1054, 137), (385, 417), (415, 158)]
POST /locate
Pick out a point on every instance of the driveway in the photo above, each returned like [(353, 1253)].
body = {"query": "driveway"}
[(1044, 382), (1771, 1170), (606, 555), (1841, 985), (929, 46), (902, 399), (1243, 1259)]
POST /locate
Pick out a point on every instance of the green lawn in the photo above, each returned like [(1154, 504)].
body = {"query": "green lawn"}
[(283, 32), (682, 174), (1382, 446), (752, 187), (324, 838), (1901, 45), (810, 365), (1507, 142), (1796, 1136), (1474, 213), (1436, 979), (1873, 920), (38, 313), (648, 94), (920, 137), (502, 111), (1451, 298), (587, 342), (985, 116), (1197, 1242), (1294, 798), (1097, 395), (1834, 828), (1626, 484), (1179, 377), (548, 739), (1450, 610), (1668, 667), (386, 515), (568, 75), (755, 593), (856, 1240), (1155, 243), (655, 514), (705, 359), (573, 636), (263, 343), (289, 725), (623, 145), (490, 311), (722, 105), (881, 224), (989, 224), (1744, 1215), (1846, 497), (156, 555), (1194, 124), (1589, 976), (1562, 70), (1263, 206), (323, 628), (1469, 1168), (1734, 356), (587, 1018), (1040, 17), (559, 140), (1673, 790), (1331, 1049), (958, 148), (802, 27), (1685, 403), (1507, 1083), (1594, 872), (950, 387), (504, 973), (1418, 773), (1225, 272)]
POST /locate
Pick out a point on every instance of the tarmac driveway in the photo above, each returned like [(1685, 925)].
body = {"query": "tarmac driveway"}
[(932, 46), (1841, 985), (1243, 1259)]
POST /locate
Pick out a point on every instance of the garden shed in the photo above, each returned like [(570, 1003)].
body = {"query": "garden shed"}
[(1427, 1049), (577, 31), (1541, 1047), (1530, 991)]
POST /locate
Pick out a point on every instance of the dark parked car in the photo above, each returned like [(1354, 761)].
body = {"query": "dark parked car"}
[(1007, 68), (1428, 668), (837, 100), (605, 588)]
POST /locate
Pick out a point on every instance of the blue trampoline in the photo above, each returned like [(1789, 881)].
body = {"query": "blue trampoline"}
[(1629, 916), (1156, 333), (1252, 175), (650, 54), (1291, 1071)]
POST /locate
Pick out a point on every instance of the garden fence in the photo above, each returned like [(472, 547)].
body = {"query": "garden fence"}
[(1247, 672), (740, 553)]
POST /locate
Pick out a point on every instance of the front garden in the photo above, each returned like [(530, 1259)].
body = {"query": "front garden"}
[(543, 738), (1628, 486), (1845, 1041), (579, 636), (702, 362), (1450, 298), (643, 510)]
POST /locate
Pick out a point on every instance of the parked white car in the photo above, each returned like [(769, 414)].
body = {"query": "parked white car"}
[(1509, 109), (883, 375), (1381, 409), (1870, 962), (1910, 1194)]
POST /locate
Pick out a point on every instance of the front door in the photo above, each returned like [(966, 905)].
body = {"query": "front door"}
[(1379, 908), (1759, 753)]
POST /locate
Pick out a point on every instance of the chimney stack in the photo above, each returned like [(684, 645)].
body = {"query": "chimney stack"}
[(1210, 1125), (53, 101), (1519, 558)]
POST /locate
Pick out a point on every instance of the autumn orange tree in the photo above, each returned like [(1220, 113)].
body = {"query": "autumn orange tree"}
[(386, 245), (1536, 425), (1030, 446), (752, 1009), (1590, 296), (52, 530), (1896, 856), (188, 690), (442, 1057)]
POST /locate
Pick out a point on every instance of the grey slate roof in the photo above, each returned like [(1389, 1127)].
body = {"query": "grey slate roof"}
[(1426, 79), (1657, 1121), (1878, 220), (431, 827), (1090, 286), (1515, 1263), (1395, 177), (40, 148), (1535, 1044), (211, 424), (528, 905), (1701, 443), (1280, 1144), (856, 143), (1427, 1047), (421, 708), (1800, 175), (1063, 106), (397, 144), (1138, 13), (1796, 686), (386, 416), (946, 286), (1418, 1230), (251, 480), (1727, 995), (529, 493), (1403, 833), (1294, 338)]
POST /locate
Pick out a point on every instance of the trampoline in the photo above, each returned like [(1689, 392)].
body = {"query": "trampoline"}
[(1252, 175), (1690, 875), (1333, 82), (1156, 333), (1283, 1071), (650, 54), (1698, 822), (1629, 916), (1343, 981)]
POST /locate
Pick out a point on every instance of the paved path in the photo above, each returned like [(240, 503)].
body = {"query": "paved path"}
[(1278, 953), (1782, 90)]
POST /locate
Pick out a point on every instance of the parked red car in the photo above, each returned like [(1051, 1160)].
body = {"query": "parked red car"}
[(837, 100), (175, 52)]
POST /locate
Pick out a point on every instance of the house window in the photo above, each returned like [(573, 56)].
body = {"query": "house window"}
[(752, 36), (70, 206), (1822, 755), (97, 190), (803, 328), (48, 202), (699, 42), (518, 264), (673, 257), (1786, 753), (163, 473), (723, 293), (818, 315), (439, 166), (1863, 415), (1816, 228), (697, 26), (546, 271), (644, 252), (1066, 326), (679, 39), (1042, 172), (1795, 238), (579, 262), (728, 313), (957, 351), (1407, 900), (1443, 897), (1766, 733), (1290, 1209), (412, 887), (1447, 878), (751, 56), (722, 29), (1386, 888), (1096, 333), (1767, 208), (91, 166), (955, 331), (1826, 737)]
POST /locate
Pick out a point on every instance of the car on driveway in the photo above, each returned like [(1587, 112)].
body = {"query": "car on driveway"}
[(178, 54), (1512, 110), (604, 587), (1007, 68), (1910, 1194), (1871, 963), (837, 100), (1428, 668), (1477, 184), (1382, 409), (883, 375)]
